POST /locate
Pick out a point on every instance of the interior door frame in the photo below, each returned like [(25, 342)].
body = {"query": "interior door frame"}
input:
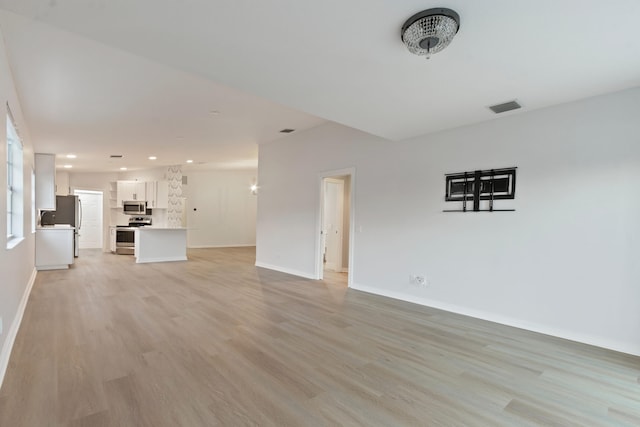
[(339, 266), (351, 172), (100, 192)]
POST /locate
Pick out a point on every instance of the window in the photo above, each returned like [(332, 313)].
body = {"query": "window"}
[(14, 184), (33, 201)]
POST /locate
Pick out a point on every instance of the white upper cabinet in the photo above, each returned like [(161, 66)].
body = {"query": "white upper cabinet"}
[(45, 170), (158, 194), (151, 194), (131, 191)]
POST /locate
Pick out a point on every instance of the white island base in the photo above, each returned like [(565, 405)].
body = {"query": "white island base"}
[(160, 244)]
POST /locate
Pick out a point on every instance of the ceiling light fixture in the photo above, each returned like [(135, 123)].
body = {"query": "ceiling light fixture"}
[(123, 169), (189, 161), (152, 157), (430, 31), (71, 156), (67, 166)]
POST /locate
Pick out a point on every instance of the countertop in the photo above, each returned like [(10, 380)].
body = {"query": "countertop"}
[(146, 227), (55, 227), (151, 227)]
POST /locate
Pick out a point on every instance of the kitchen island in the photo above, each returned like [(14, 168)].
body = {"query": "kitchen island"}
[(160, 244)]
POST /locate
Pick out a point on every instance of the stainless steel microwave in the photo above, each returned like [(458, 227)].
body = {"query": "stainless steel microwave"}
[(134, 207)]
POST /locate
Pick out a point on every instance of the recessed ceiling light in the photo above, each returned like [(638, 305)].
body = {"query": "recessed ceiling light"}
[(152, 157), (189, 161), (67, 166), (71, 156), (123, 169)]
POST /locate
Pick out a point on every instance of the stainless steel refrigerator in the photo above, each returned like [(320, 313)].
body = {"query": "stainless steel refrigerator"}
[(69, 211)]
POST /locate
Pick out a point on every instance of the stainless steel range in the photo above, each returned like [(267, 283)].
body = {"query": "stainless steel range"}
[(125, 234)]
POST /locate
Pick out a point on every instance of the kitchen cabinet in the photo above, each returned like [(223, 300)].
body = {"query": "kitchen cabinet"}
[(157, 244), (158, 194), (62, 184), (54, 247), (151, 188), (112, 239), (45, 171), (113, 195), (131, 191)]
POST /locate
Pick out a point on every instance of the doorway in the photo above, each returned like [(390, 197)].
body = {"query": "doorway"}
[(90, 233), (335, 243)]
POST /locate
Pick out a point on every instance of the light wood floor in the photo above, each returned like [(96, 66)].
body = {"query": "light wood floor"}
[(217, 341)]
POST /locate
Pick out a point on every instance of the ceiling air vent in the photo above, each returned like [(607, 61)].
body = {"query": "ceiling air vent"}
[(116, 156), (507, 106), (287, 130)]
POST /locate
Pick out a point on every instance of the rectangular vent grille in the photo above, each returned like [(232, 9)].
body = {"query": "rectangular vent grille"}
[(116, 156), (287, 130), (507, 106)]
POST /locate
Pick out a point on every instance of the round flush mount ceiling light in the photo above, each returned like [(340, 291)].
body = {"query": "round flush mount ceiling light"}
[(430, 31)]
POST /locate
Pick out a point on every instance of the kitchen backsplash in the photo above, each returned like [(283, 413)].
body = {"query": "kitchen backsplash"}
[(176, 205)]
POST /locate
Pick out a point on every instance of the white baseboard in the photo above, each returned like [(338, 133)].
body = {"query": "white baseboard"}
[(221, 246), (147, 260), (286, 270), (337, 270), (597, 341), (5, 353), (53, 267)]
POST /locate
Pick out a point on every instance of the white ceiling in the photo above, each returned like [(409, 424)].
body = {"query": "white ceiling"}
[(142, 76)]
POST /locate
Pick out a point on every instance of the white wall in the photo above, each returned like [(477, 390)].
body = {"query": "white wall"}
[(565, 263), (221, 211), (17, 269), (288, 204)]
